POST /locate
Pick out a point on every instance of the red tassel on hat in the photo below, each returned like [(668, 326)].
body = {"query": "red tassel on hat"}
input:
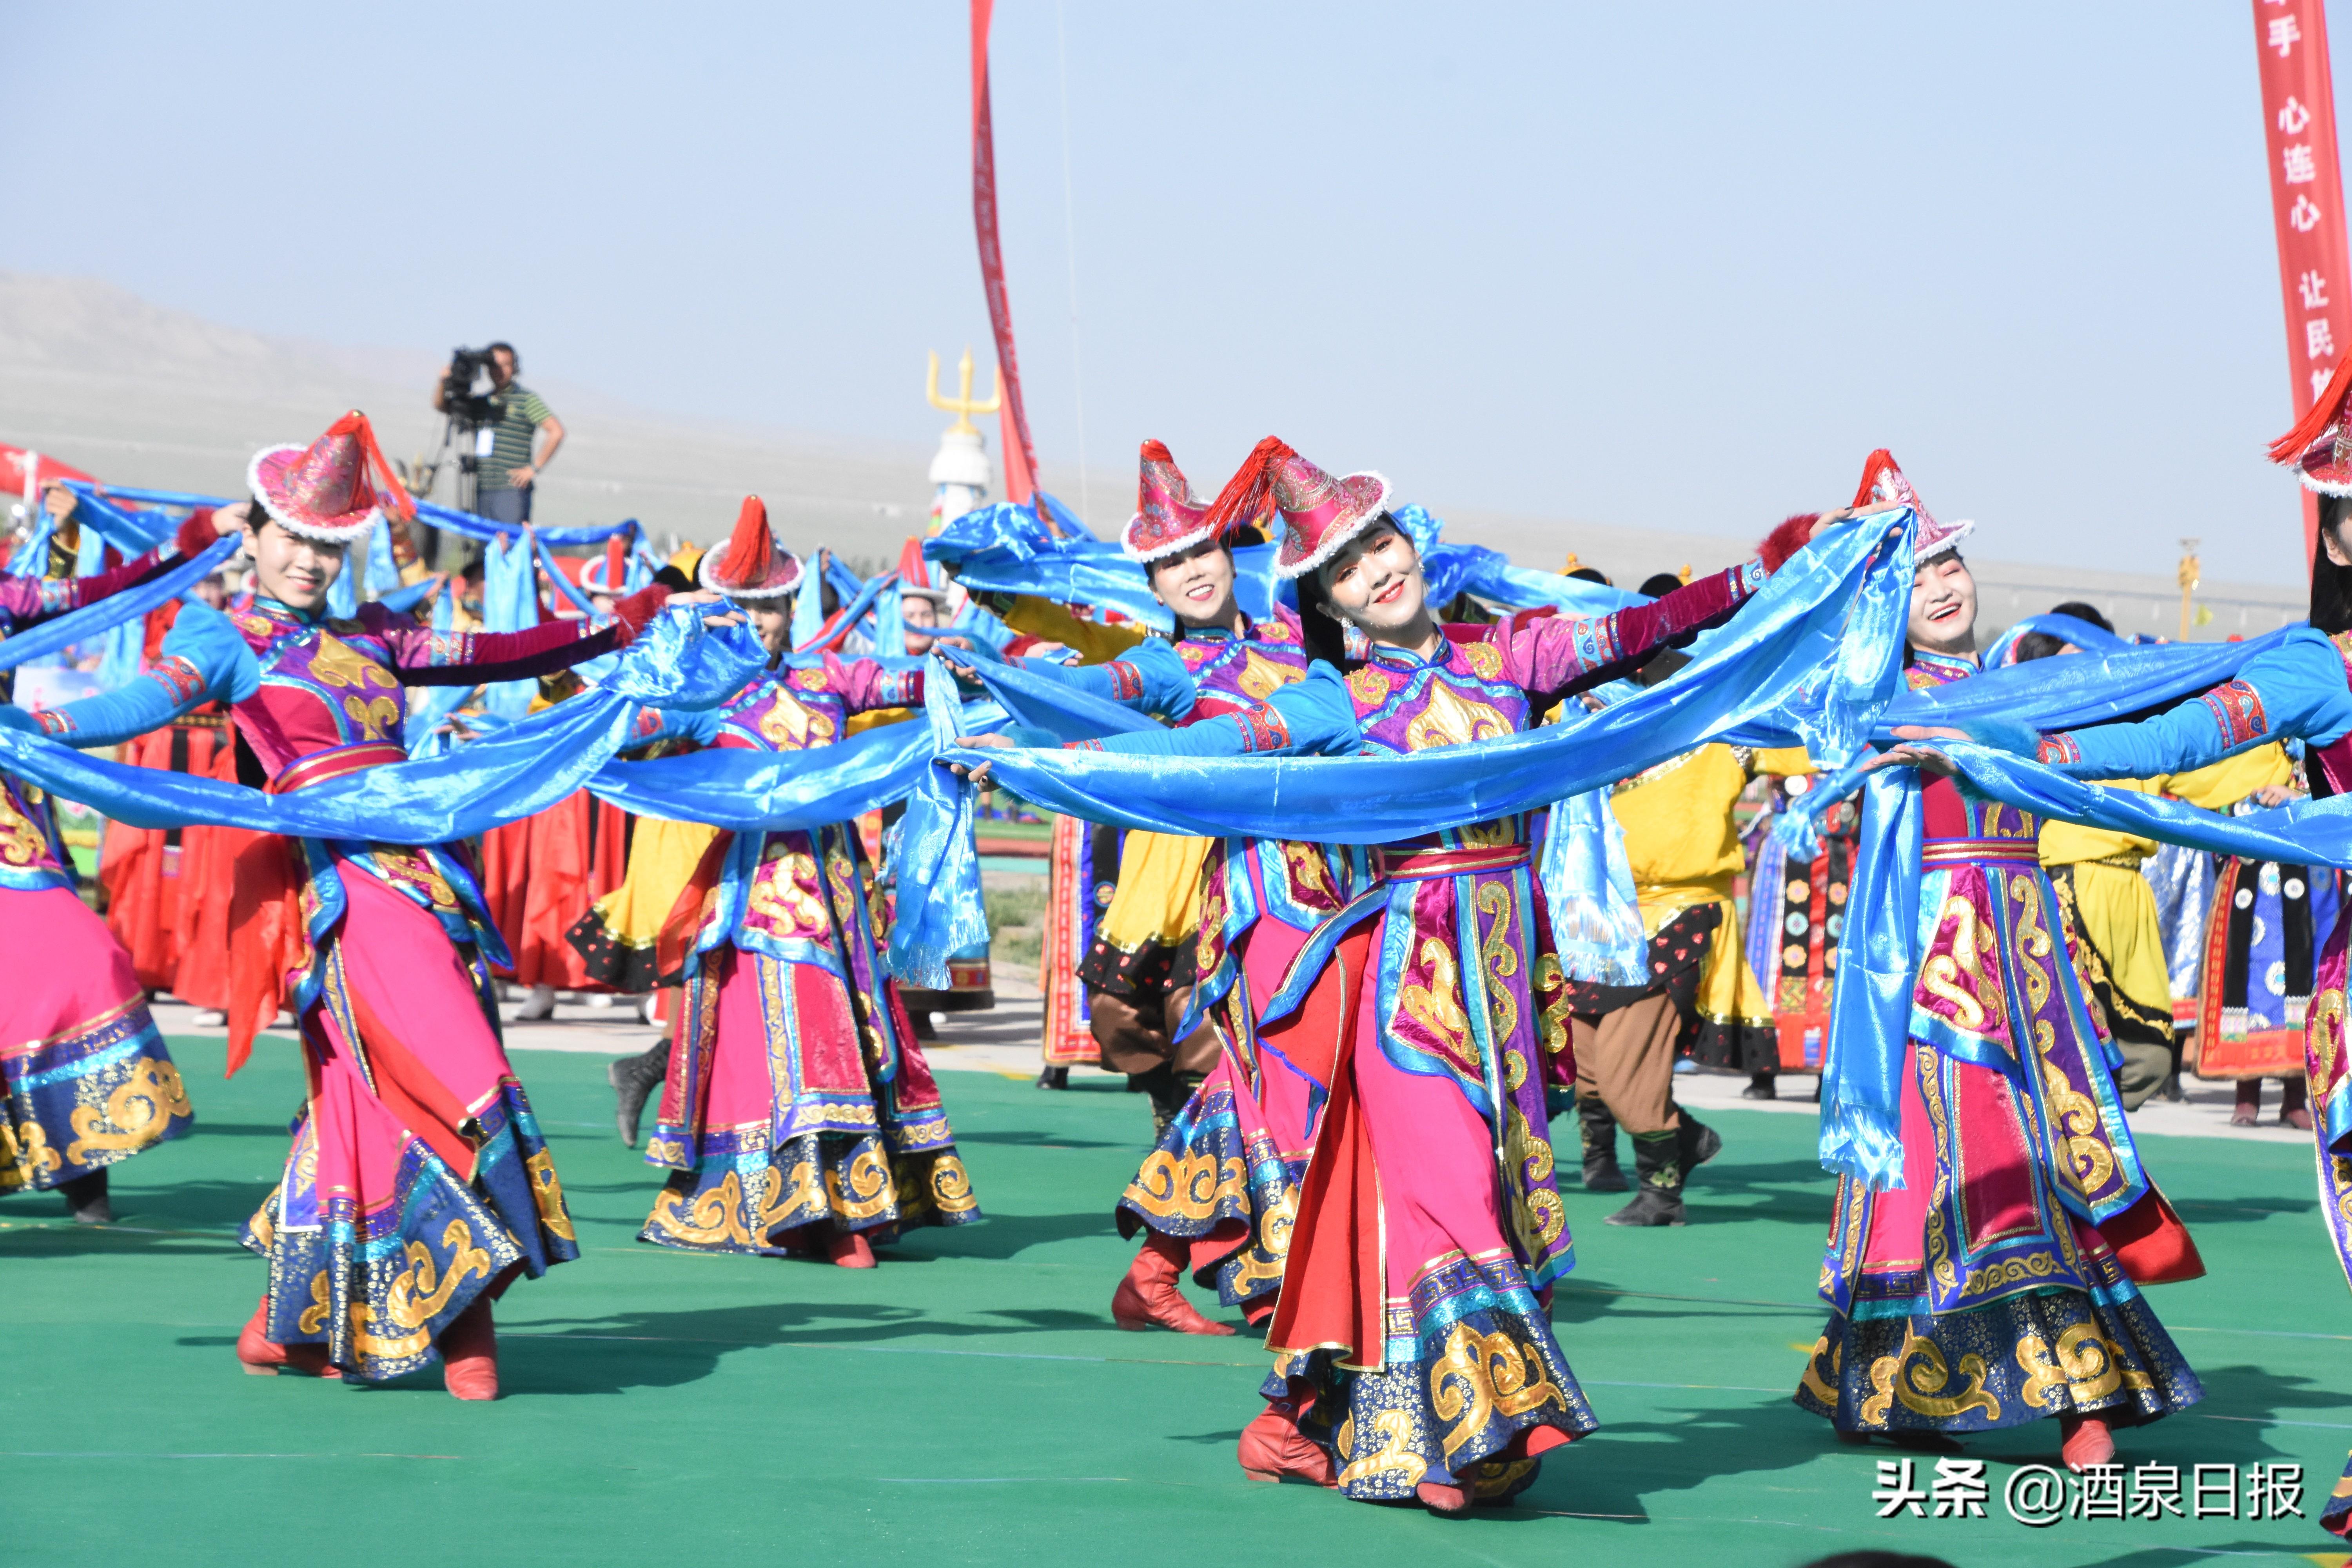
[(1248, 493), (750, 547), (2291, 446), (616, 564)]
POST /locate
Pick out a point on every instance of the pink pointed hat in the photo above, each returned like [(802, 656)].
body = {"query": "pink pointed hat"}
[(1168, 517), (1882, 480), (1319, 513), (752, 565), (2319, 447), (331, 490)]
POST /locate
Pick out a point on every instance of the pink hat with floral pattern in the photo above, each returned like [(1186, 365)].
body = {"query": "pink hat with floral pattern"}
[(1319, 513), (325, 491)]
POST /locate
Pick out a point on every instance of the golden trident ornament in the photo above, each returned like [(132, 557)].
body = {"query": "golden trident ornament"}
[(961, 404)]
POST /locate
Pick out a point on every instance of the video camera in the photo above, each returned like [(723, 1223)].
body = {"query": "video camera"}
[(459, 398)]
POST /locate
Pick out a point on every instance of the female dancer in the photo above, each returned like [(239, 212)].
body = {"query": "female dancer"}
[(2301, 689), (799, 1114), (1999, 1285), (1413, 1358), (418, 1184), (1218, 1191), (86, 1080)]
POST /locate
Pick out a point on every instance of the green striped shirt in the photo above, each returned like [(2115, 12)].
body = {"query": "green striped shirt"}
[(520, 412)]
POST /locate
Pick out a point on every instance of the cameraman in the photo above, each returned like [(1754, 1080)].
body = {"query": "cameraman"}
[(508, 468)]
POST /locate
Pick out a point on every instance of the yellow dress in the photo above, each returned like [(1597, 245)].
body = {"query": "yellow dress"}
[(1686, 854)]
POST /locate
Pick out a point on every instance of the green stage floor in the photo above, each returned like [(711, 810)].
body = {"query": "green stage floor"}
[(969, 1401)]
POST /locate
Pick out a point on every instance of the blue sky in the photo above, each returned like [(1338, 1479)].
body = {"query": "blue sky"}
[(1677, 264)]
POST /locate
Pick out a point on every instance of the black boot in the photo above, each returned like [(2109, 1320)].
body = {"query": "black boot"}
[(633, 1079), (1053, 1077), (1169, 1091), (1598, 1128), (1760, 1086), (1695, 1142), (85, 1199), (1657, 1162)]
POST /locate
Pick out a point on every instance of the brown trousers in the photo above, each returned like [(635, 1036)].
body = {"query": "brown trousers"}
[(1626, 1060), (1133, 1033)]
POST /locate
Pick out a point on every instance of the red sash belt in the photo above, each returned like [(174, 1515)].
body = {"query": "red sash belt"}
[(1979, 852), (333, 764), (1416, 865)]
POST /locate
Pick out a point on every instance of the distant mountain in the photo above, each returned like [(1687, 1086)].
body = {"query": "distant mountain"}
[(144, 396)]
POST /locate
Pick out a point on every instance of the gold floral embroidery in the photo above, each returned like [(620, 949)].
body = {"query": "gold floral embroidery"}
[(2032, 939), (866, 1190), (314, 1316), (1812, 1381), (1502, 961)]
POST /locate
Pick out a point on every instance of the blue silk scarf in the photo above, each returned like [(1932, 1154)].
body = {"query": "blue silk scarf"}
[(62, 632)]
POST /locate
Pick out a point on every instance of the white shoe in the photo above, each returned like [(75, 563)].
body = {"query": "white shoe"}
[(598, 999), (540, 1004), (210, 1018)]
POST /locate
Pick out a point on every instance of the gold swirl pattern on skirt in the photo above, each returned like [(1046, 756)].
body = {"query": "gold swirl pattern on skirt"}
[(547, 1192), (1188, 1185), (1390, 1453), (1916, 1375), (135, 1114), (2088, 1362), (1481, 1376)]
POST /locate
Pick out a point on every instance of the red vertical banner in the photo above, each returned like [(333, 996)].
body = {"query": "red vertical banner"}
[(1020, 453), (2307, 200)]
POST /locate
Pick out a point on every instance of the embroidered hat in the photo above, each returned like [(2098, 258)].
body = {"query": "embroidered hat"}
[(752, 565), (2319, 447), (1169, 518), (1882, 480), (1319, 513), (324, 491)]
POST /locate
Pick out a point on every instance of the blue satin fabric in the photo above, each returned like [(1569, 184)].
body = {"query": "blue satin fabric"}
[(62, 632), (400, 601), (933, 848), (1792, 641), (1870, 1008), (1041, 701), (451, 521), (2066, 628), (2044, 694), (510, 603), (1005, 548), (1588, 883), (133, 530), (524, 768), (1870, 1021)]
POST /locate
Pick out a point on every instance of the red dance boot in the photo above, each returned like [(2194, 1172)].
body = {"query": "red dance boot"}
[(263, 1357), (1273, 1448), (850, 1251), (2294, 1109), (2086, 1442), (1147, 1296), (1442, 1500), (469, 1353)]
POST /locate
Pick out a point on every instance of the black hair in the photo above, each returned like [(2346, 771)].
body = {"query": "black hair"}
[(2042, 645), (2083, 612), (511, 354), (1318, 628), (1592, 574), (1658, 584), (2331, 585)]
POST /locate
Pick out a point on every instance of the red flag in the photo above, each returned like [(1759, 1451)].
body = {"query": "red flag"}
[(1020, 454), (2306, 200)]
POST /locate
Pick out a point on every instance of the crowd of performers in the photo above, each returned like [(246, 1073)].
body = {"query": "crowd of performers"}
[(1355, 1036)]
